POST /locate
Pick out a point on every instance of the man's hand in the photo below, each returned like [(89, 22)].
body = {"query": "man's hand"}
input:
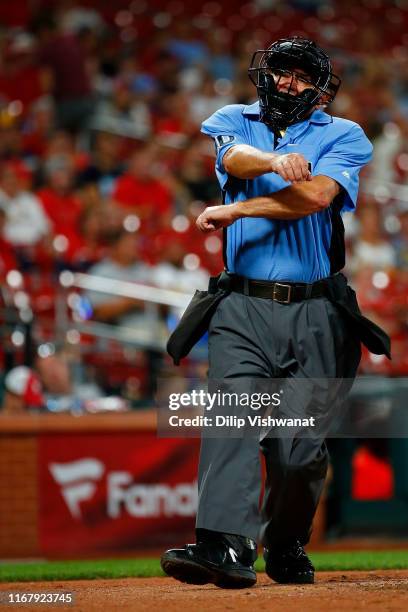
[(216, 217), (246, 162), (292, 167)]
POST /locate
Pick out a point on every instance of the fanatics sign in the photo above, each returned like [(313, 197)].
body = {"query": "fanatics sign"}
[(115, 491)]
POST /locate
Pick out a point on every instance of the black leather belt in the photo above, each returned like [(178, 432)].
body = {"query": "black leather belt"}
[(281, 291)]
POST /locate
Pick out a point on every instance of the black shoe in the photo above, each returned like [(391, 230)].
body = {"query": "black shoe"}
[(289, 565), (210, 563)]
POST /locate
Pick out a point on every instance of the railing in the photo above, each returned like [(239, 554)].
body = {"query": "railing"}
[(138, 291), (153, 297)]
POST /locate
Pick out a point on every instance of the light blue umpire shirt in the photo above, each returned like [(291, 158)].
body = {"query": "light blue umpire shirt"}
[(307, 249)]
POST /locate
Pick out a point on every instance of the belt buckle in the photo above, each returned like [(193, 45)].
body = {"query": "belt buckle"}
[(288, 287)]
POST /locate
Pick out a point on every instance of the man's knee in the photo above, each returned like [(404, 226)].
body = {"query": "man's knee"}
[(305, 457), (311, 464)]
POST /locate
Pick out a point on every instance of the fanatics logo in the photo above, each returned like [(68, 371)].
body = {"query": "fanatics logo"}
[(77, 481)]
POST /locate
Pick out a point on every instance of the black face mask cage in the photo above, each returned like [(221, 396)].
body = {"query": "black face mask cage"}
[(280, 109)]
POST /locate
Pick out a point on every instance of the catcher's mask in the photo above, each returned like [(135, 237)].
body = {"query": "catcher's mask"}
[(285, 57)]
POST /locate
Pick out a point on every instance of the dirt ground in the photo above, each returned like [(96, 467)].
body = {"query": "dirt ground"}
[(335, 591)]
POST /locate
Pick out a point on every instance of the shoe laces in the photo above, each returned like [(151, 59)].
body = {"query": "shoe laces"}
[(293, 554), (244, 547), (297, 551), (218, 552)]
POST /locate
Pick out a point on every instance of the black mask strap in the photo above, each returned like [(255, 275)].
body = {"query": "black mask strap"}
[(277, 131)]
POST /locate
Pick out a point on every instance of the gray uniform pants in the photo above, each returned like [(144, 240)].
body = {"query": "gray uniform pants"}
[(259, 338)]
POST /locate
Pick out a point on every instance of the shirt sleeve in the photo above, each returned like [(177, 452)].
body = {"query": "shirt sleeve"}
[(343, 160), (36, 215), (226, 128)]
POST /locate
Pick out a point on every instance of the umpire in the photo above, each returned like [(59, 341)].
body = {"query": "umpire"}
[(287, 170)]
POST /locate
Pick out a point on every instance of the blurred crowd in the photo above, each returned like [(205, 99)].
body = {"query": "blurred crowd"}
[(103, 169)]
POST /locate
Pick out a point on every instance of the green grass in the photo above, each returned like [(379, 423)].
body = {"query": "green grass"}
[(360, 560), (80, 570), (121, 568)]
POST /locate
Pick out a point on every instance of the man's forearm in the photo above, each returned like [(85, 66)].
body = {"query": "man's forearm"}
[(246, 162), (292, 202)]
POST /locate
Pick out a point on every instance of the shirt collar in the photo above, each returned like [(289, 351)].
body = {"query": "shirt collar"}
[(251, 110), (318, 116)]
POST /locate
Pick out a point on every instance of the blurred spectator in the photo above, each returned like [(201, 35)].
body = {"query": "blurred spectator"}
[(61, 52), (165, 68), (23, 391), (142, 83), (141, 192), (8, 260), (74, 17), (39, 127), (173, 121), (372, 92), (105, 165), (26, 223), (59, 202), (401, 243), (22, 81), (51, 386), (186, 46), (221, 63), (90, 247), (122, 264), (61, 390), (60, 143), (11, 136), (372, 249), (125, 113), (209, 98), (390, 159), (172, 273), (400, 83), (194, 174)]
